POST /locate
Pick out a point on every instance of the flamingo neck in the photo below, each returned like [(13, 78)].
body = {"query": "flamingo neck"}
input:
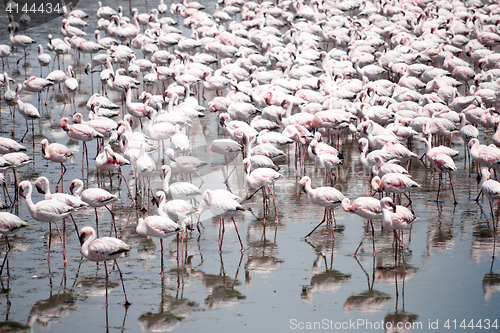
[(46, 188), (86, 244), (166, 180), (29, 202)]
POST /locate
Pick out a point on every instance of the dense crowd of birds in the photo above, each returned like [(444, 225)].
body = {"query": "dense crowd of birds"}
[(304, 73)]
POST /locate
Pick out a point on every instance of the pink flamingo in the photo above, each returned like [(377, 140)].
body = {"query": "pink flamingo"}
[(36, 84), (259, 179), (17, 160), (222, 206), (103, 249), (185, 164), (327, 197), (395, 218), (29, 112), (94, 197), (394, 183), (109, 161), (20, 41), (228, 148), (366, 207), (442, 162), (382, 168), (81, 132), (157, 226), (8, 224), (178, 190), (47, 211), (10, 146), (490, 188), (58, 153)]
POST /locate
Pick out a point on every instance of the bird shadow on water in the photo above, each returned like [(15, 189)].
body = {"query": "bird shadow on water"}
[(8, 325), (327, 281)]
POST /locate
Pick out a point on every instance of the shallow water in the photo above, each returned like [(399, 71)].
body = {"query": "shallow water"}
[(280, 282)]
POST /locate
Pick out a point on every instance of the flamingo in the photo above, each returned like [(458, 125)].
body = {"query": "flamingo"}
[(103, 249), (9, 223), (222, 206), (327, 197), (80, 132), (185, 164), (94, 197), (9, 96), (57, 153), (228, 148), (42, 185), (178, 210), (442, 162), (145, 169), (71, 84), (382, 167), (17, 160), (178, 190), (29, 112), (259, 179), (109, 161), (46, 211), (395, 217), (43, 58), (4, 53), (394, 183), (10, 146), (20, 41), (157, 226), (490, 188), (366, 207)]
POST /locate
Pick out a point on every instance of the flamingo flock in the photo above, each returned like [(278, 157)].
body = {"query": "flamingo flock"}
[(264, 77)]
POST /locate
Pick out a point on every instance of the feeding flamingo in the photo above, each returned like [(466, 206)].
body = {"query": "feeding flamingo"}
[(327, 197), (103, 249)]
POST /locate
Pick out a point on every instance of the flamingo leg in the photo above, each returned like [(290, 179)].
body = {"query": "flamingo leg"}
[(127, 303), (478, 195), (439, 188), (373, 236), (223, 229), (274, 201), (202, 180), (8, 194), (27, 130), (452, 190), (63, 241), (322, 221), (162, 274), (63, 171), (132, 202), (264, 203), (96, 222), (239, 238), (107, 278), (355, 252), (50, 240), (114, 222), (5, 258)]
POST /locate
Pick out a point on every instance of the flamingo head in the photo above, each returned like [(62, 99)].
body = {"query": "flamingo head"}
[(72, 187), (387, 202), (64, 123), (303, 182), (22, 187), (38, 185), (84, 233)]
